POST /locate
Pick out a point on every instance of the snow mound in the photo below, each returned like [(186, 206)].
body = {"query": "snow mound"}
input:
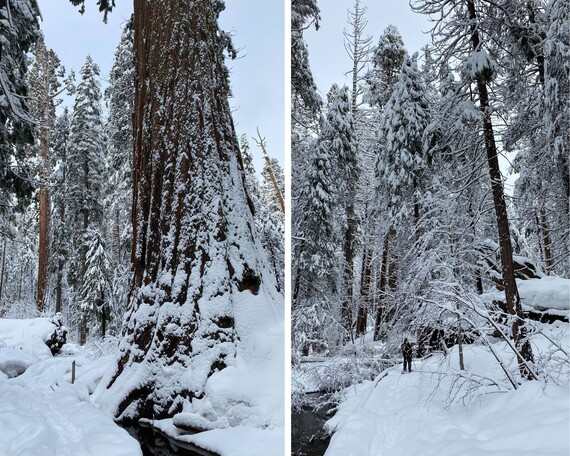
[(547, 293), (235, 441), (14, 362), (29, 335), (60, 423)]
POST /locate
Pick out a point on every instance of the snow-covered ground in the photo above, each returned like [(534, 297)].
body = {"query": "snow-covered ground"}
[(439, 410), (41, 412)]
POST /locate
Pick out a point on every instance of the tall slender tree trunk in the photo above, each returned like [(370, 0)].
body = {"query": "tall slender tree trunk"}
[(508, 273), (84, 325), (59, 286), (116, 238), (546, 242), (44, 223), (3, 268)]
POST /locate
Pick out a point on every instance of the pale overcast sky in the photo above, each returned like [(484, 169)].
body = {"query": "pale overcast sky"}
[(329, 60), (327, 56), (257, 77)]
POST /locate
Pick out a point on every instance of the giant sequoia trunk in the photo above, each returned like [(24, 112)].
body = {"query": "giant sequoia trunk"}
[(508, 272), (202, 293)]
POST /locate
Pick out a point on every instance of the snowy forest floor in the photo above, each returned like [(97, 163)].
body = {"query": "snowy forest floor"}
[(439, 410), (41, 412)]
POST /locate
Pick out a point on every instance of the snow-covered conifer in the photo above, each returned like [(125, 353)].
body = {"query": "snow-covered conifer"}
[(19, 30), (85, 172), (387, 59)]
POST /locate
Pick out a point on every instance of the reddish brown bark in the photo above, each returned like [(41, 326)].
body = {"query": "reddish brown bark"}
[(190, 208), (44, 222)]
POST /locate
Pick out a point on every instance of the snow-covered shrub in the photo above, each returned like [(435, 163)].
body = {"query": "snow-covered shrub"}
[(21, 309)]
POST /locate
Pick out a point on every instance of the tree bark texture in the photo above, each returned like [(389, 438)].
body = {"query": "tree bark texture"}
[(196, 256), (508, 273), (44, 223)]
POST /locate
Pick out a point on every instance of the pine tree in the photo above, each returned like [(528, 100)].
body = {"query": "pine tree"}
[(315, 268), (84, 174), (338, 132), (120, 101), (404, 158), (60, 228), (96, 282), (387, 60), (302, 84), (19, 30)]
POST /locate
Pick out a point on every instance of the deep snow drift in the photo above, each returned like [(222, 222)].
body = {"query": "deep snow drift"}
[(439, 410), (41, 412)]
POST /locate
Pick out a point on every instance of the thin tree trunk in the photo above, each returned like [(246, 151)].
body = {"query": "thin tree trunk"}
[(460, 346), (3, 268), (546, 242), (383, 284), (83, 329), (116, 239), (103, 315), (59, 287), (20, 282), (365, 282), (511, 290), (84, 249)]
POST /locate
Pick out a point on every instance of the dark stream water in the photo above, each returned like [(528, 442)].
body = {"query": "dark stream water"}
[(307, 436), (155, 443)]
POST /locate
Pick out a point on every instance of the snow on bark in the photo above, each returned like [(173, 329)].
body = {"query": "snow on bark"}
[(204, 316)]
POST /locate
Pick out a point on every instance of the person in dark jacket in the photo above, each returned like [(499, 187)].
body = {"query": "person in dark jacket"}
[(407, 352)]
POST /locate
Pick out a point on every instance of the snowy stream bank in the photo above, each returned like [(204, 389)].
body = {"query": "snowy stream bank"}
[(43, 414), (307, 435)]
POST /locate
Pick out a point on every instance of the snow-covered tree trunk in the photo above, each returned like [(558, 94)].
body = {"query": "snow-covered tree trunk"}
[(201, 285)]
